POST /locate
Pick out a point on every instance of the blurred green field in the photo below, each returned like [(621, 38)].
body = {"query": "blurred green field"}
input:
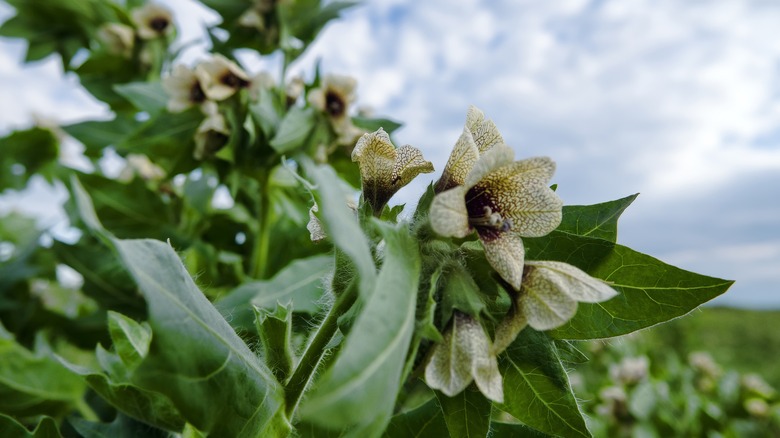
[(747, 341)]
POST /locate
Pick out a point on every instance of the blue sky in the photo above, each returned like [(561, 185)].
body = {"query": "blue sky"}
[(679, 101)]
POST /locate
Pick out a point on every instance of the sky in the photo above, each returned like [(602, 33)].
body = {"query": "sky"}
[(677, 101)]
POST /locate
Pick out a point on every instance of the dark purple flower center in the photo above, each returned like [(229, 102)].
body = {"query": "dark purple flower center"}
[(196, 93), (233, 81), (484, 215), (159, 24), (334, 104)]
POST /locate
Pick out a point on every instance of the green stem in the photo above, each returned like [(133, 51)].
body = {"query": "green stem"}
[(86, 411), (259, 266), (316, 348)]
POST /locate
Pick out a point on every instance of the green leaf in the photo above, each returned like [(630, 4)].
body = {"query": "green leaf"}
[(300, 282), (467, 414), (360, 388), (122, 427), (194, 350), (26, 153), (148, 406), (460, 292), (167, 139), (275, 330), (498, 429), (267, 113), (651, 291), (10, 428), (424, 421), (131, 339), (293, 130), (31, 384), (146, 96), (536, 387), (341, 225), (599, 220), (372, 124), (96, 135), (303, 20), (105, 279), (128, 210)]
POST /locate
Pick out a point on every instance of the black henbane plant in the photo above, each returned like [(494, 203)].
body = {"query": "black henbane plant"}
[(288, 308)]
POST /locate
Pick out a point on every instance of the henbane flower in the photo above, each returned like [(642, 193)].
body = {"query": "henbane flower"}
[(502, 200), (212, 135), (479, 135), (385, 169), (221, 77), (118, 38), (464, 356), (153, 21), (548, 298), (334, 97), (183, 89)]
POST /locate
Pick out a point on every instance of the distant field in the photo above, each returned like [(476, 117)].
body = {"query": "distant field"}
[(747, 341)]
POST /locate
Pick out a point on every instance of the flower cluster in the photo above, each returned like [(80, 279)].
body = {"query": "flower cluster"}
[(150, 22), (211, 81), (482, 190)]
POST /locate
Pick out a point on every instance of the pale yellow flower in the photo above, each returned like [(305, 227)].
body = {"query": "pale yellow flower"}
[(153, 21), (334, 97), (294, 89), (254, 16), (385, 169), (502, 200), (479, 136), (220, 77), (548, 298), (211, 136), (141, 165), (183, 89), (118, 38), (464, 356)]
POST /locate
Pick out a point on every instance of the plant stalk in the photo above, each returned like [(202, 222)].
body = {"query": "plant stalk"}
[(259, 268), (316, 348)]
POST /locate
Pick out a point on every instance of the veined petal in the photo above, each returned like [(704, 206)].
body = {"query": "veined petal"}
[(536, 212), (385, 169), (574, 282), (376, 156), (448, 213), (462, 159), (536, 170), (462, 357), (474, 119), (496, 157), (486, 374), (449, 369), (543, 301), (484, 132), (374, 144), (518, 191), (409, 163), (505, 253)]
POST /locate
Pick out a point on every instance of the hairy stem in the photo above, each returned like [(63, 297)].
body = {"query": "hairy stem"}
[(316, 348)]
